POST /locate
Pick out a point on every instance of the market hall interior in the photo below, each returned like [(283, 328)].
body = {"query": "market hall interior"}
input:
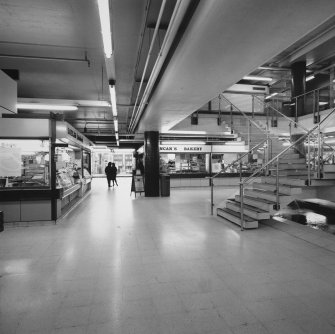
[(120, 264)]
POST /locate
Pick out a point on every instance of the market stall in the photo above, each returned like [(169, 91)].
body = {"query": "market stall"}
[(42, 168)]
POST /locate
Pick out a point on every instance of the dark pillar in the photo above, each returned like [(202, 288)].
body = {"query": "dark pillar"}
[(298, 71), (151, 168)]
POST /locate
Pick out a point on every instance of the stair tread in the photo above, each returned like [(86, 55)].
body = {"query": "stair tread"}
[(265, 201), (280, 185), (237, 214), (261, 191), (249, 207)]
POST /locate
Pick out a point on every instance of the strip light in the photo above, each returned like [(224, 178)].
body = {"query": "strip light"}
[(310, 77), (105, 26), (116, 125), (271, 95), (113, 100), (38, 106), (257, 78)]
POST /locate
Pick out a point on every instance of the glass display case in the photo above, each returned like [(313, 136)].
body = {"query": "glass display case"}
[(24, 163), (184, 163)]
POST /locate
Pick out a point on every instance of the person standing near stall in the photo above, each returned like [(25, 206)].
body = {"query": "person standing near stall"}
[(113, 174)]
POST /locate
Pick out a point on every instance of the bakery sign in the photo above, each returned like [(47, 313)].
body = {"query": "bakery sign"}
[(185, 148)]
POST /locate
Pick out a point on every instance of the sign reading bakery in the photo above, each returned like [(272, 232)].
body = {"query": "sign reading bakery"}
[(185, 148)]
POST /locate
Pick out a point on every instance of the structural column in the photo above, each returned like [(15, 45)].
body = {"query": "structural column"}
[(298, 71), (151, 170)]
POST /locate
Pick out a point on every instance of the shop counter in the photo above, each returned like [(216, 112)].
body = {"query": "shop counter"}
[(202, 179)]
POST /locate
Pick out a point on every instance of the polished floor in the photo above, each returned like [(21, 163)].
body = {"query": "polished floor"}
[(116, 264)]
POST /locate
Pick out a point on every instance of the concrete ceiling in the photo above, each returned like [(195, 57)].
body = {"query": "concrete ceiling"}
[(224, 41), (216, 44)]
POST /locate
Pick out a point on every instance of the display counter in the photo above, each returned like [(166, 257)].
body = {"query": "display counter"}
[(41, 176)]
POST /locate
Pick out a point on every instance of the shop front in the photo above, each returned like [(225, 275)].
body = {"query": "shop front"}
[(192, 165), (44, 168)]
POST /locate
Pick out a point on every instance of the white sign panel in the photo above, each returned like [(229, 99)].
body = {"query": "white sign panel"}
[(185, 148), (10, 161)]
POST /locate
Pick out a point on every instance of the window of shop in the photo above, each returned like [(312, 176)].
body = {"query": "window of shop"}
[(24, 163), (184, 163)]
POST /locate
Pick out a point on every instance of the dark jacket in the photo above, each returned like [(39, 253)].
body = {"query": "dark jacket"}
[(110, 172)]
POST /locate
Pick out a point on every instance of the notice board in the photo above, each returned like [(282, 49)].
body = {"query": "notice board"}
[(137, 184)]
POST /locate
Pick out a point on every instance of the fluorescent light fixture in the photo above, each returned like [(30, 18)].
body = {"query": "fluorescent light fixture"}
[(116, 125), (257, 78), (310, 77), (99, 147), (113, 99), (37, 106), (286, 143), (105, 26), (186, 132), (269, 96), (322, 103), (178, 142)]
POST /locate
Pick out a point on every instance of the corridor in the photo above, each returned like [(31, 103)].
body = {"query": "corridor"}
[(116, 264)]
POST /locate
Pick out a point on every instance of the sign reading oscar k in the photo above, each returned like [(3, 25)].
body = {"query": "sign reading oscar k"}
[(185, 148)]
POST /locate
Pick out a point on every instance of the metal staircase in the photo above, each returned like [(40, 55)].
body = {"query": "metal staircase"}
[(274, 185)]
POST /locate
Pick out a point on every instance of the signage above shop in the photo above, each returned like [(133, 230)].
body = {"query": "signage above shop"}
[(179, 148), (185, 148)]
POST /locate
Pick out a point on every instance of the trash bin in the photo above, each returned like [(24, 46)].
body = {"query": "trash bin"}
[(165, 185), (1, 221)]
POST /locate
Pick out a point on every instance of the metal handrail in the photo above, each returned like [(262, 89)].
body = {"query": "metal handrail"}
[(286, 149), (238, 159), (283, 115), (276, 158), (229, 165), (296, 124), (311, 91), (244, 114)]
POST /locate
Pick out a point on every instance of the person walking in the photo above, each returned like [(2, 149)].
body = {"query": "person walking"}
[(113, 174), (109, 173)]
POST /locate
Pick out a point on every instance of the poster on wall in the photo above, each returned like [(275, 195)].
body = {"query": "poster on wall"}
[(10, 161)]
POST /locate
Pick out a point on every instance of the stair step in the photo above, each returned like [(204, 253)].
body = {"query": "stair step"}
[(235, 218), (286, 190), (323, 182), (290, 166), (259, 203), (290, 161), (290, 156), (284, 180), (289, 172), (268, 195), (248, 210), (329, 168), (329, 176)]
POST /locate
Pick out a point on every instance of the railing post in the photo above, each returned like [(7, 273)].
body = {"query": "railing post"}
[(319, 152), (242, 205), (212, 195), (249, 125), (268, 157), (296, 111), (309, 160), (240, 168), (231, 119), (277, 185)]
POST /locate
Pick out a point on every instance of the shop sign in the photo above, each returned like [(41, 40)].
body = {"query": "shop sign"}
[(185, 148)]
